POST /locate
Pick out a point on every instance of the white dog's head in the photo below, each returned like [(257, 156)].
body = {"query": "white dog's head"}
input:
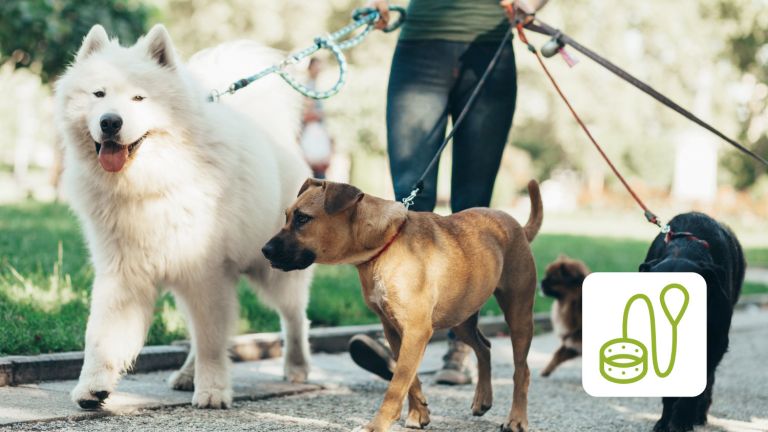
[(115, 100)]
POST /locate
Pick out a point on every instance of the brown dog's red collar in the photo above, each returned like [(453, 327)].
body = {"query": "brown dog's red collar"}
[(387, 245)]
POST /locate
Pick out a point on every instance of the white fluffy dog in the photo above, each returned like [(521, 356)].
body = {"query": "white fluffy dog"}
[(176, 192)]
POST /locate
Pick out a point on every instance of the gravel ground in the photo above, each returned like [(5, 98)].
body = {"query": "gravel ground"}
[(557, 403)]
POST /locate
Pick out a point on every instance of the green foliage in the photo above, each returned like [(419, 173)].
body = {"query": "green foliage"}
[(45, 34), (336, 298), (29, 329), (743, 170), (539, 140), (748, 51)]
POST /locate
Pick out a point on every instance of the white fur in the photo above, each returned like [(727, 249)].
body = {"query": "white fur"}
[(190, 212)]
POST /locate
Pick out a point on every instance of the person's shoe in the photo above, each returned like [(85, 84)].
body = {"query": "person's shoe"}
[(456, 370), (372, 355)]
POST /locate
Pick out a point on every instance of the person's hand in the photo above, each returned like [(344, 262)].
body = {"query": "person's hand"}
[(383, 7), (527, 6), (509, 8)]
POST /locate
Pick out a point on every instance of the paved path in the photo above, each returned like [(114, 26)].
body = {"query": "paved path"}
[(351, 397)]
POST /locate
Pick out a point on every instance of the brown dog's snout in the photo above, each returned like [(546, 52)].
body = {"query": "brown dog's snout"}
[(287, 255), (547, 288), (270, 249)]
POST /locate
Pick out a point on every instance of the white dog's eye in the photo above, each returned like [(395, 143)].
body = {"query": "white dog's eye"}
[(138, 98), (99, 93)]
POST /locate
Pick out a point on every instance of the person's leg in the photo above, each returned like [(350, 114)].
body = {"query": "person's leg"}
[(478, 144), (420, 81), (480, 139)]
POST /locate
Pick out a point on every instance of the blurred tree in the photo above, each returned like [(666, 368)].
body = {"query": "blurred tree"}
[(746, 24), (44, 34)]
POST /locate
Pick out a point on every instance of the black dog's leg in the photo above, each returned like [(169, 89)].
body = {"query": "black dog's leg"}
[(666, 413), (683, 414), (704, 401)]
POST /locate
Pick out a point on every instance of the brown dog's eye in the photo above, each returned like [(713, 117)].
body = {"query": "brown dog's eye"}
[(300, 219)]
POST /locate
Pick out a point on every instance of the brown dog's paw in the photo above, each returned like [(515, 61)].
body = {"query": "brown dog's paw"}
[(481, 404), (417, 418), (372, 427), (514, 426), (480, 410)]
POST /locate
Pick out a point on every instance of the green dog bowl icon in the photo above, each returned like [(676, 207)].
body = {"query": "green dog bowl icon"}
[(623, 361)]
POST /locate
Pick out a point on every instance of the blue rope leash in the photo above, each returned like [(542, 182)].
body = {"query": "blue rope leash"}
[(360, 17)]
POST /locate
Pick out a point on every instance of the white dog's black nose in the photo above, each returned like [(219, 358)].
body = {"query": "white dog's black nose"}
[(111, 123)]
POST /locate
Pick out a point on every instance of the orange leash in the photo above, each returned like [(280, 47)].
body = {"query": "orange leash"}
[(649, 215)]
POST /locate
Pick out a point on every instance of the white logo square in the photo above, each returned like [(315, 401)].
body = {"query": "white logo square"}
[(624, 354)]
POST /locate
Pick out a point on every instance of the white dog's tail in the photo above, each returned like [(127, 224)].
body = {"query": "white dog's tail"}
[(272, 104)]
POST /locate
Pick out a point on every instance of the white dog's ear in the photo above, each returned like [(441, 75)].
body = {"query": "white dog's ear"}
[(159, 46), (94, 41)]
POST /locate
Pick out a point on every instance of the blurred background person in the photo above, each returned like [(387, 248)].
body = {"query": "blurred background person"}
[(316, 142)]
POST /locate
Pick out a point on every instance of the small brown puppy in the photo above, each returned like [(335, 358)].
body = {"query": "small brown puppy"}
[(421, 272), (562, 282)]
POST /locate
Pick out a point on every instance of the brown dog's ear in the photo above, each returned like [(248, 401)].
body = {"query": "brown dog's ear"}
[(340, 196), (376, 220), (307, 183)]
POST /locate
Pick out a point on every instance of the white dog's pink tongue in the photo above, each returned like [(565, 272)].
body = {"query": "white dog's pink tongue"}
[(112, 157)]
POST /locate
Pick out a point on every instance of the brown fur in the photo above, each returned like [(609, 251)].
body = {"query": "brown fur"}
[(563, 281), (436, 272)]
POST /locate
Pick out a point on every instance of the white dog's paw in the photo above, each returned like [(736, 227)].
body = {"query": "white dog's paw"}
[(89, 397), (212, 398), (182, 380), (296, 373)]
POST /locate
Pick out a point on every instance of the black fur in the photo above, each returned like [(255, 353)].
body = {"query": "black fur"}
[(722, 266)]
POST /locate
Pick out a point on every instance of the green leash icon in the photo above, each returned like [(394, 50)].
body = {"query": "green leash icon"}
[(625, 360)]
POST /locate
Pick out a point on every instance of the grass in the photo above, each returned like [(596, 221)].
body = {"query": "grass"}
[(45, 281)]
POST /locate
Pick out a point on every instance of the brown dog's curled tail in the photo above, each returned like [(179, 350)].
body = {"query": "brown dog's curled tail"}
[(537, 211)]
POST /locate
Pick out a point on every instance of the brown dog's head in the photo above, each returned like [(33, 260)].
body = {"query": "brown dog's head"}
[(332, 223), (564, 278)]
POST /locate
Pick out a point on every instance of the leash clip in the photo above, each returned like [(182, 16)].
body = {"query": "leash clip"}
[(408, 201)]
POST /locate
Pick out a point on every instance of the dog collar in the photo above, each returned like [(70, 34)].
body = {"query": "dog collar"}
[(387, 245), (671, 235)]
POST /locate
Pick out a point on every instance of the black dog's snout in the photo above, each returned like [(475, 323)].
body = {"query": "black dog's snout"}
[(111, 123)]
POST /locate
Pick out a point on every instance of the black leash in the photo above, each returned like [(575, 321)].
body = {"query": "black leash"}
[(418, 187), (540, 27)]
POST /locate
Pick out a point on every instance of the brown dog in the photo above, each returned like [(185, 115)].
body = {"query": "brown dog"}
[(562, 282), (420, 272)]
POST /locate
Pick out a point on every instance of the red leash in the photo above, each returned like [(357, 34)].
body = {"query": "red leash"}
[(649, 215)]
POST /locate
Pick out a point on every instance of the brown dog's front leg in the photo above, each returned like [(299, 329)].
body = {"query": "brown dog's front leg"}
[(561, 355), (414, 342), (418, 412)]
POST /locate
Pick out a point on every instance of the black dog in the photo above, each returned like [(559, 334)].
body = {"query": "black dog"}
[(697, 243)]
